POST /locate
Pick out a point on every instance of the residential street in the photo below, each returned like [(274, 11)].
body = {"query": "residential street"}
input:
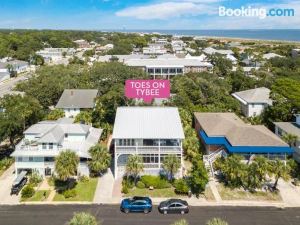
[(110, 215), (7, 86)]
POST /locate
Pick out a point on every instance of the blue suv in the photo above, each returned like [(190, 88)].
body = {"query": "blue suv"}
[(136, 204)]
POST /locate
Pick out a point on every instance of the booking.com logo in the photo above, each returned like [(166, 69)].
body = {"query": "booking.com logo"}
[(261, 13)]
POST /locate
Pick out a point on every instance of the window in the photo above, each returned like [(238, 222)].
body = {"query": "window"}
[(20, 159), (66, 135), (30, 159), (50, 145), (44, 145)]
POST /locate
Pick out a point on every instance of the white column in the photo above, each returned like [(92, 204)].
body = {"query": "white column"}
[(115, 164), (159, 153)]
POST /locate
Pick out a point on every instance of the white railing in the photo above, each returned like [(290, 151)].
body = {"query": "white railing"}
[(211, 158), (148, 149)]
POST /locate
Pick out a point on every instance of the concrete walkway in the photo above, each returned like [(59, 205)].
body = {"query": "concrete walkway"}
[(6, 181), (213, 188), (104, 188), (289, 193)]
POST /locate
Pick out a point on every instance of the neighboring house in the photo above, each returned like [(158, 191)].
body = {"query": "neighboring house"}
[(151, 132), (253, 101), (167, 68), (55, 54), (72, 101), (178, 46), (4, 76), (201, 57), (271, 55), (154, 49), (104, 48), (282, 128), (212, 51), (44, 141), (248, 70), (228, 132), (82, 44), (295, 52), (17, 66)]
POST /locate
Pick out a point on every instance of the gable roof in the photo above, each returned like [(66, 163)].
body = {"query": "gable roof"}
[(77, 98), (289, 127), (147, 123), (236, 131), (256, 95)]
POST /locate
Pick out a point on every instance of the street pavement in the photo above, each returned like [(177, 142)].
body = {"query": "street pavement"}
[(8, 85), (111, 215)]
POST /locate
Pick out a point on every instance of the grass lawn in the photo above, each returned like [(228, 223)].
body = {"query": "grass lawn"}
[(238, 194), (159, 193), (85, 191), (38, 196)]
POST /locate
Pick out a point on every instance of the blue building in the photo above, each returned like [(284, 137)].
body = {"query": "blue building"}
[(227, 131)]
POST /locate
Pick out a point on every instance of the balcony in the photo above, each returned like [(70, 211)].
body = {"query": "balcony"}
[(148, 149)]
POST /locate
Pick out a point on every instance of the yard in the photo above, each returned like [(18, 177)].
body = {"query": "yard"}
[(37, 197), (156, 193), (85, 191), (240, 194)]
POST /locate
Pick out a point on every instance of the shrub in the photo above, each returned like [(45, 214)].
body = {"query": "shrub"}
[(155, 181), (181, 222), (70, 193), (181, 186), (84, 179), (128, 181), (125, 189), (216, 221), (83, 219), (140, 185), (27, 192), (5, 163), (35, 178)]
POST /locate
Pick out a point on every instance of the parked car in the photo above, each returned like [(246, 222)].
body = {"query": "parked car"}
[(19, 183), (173, 206), (136, 204)]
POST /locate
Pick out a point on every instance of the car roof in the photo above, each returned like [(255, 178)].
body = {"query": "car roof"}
[(177, 201)]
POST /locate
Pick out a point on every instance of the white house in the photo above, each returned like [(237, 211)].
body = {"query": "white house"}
[(55, 54), (212, 51), (271, 55), (154, 49), (151, 132), (253, 101), (72, 101), (295, 52), (168, 67), (17, 66), (44, 141), (282, 128)]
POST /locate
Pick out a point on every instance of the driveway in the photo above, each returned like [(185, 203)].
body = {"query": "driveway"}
[(6, 181)]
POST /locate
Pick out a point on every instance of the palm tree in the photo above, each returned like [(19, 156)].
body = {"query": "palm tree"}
[(66, 164), (134, 166), (216, 221), (171, 165), (100, 158), (83, 219), (290, 139), (279, 170), (263, 167)]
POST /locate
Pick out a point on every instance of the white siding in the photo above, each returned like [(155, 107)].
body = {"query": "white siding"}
[(71, 112)]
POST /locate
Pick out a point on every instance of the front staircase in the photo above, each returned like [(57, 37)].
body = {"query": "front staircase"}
[(211, 158)]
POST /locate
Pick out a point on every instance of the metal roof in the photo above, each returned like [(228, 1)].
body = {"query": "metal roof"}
[(148, 123)]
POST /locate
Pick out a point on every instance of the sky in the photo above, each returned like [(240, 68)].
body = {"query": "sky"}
[(138, 14)]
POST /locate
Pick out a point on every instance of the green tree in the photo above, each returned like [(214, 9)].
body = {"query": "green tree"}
[(100, 158), (291, 139), (216, 221), (55, 114), (66, 164), (19, 113), (84, 117), (83, 219), (198, 176), (171, 165), (134, 166), (280, 170)]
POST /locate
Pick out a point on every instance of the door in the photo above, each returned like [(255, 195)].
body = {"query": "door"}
[(172, 208), (48, 171)]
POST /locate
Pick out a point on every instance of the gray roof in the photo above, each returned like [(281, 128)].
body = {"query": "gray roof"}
[(167, 62), (236, 131), (289, 127), (15, 63), (257, 95), (77, 98), (148, 123)]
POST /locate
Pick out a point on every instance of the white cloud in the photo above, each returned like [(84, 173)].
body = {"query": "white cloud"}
[(166, 10)]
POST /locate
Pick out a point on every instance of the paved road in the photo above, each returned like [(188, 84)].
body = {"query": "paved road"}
[(7, 86), (110, 215)]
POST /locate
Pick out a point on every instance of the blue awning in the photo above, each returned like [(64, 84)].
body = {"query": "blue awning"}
[(244, 149)]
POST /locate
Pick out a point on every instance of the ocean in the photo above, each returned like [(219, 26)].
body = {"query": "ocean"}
[(274, 34)]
